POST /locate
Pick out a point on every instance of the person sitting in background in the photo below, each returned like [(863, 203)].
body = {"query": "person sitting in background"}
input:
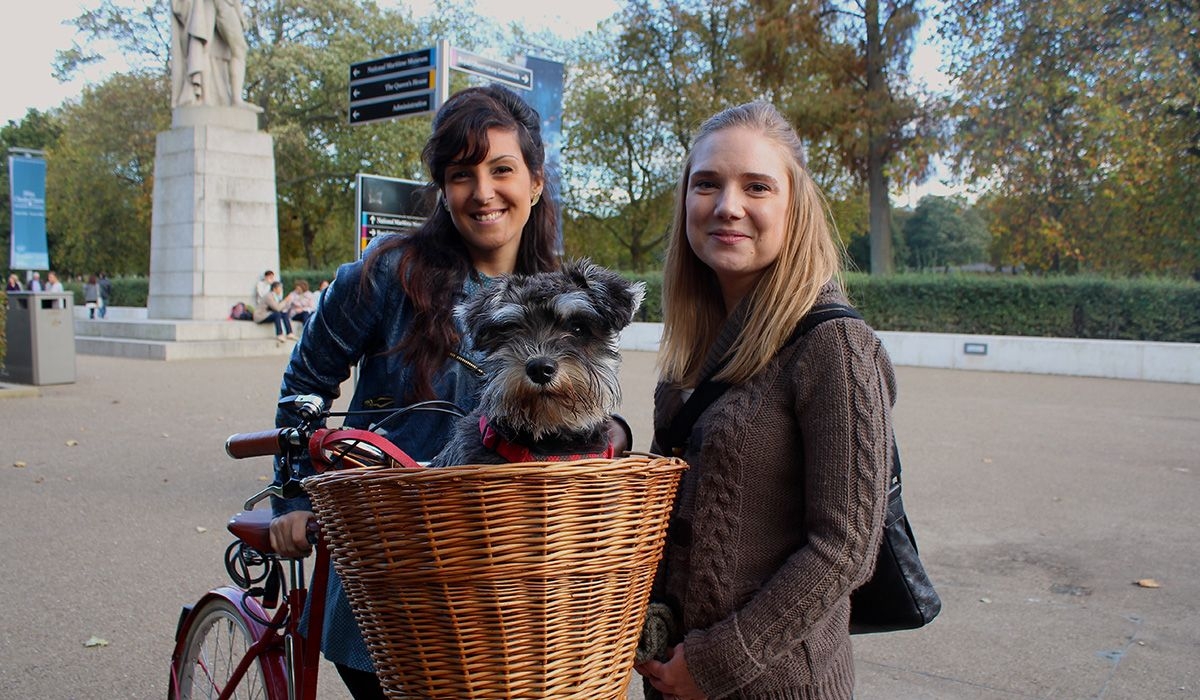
[(320, 293), (262, 287), (35, 282), (300, 303), (270, 308), (14, 284)]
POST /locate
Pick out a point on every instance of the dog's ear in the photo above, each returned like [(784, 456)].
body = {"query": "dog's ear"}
[(614, 297), (475, 314)]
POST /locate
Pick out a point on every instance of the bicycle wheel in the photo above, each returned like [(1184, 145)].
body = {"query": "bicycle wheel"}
[(216, 642)]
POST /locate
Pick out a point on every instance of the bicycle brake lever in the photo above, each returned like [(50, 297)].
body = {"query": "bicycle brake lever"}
[(289, 490), (271, 490)]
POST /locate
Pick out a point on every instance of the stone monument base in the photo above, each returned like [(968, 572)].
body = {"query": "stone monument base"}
[(213, 225)]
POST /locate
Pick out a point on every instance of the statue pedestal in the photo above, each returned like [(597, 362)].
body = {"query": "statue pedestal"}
[(213, 226)]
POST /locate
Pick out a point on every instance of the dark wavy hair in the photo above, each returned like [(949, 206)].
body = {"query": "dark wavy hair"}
[(435, 262)]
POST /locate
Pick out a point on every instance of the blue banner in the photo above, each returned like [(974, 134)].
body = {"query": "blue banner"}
[(547, 98), (27, 192)]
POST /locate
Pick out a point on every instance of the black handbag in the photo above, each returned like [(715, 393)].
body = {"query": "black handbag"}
[(899, 595)]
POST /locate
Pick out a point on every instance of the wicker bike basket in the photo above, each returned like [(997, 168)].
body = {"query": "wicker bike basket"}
[(514, 581)]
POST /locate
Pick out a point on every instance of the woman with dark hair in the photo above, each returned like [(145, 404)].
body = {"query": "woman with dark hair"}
[(392, 311)]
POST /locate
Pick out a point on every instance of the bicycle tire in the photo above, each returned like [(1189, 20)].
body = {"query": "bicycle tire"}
[(215, 643)]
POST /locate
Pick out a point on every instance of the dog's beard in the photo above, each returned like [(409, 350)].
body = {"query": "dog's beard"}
[(576, 400)]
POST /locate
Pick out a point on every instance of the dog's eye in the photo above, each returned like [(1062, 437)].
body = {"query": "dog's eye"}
[(577, 329)]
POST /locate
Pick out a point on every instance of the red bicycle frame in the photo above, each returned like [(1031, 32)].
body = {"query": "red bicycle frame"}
[(278, 647)]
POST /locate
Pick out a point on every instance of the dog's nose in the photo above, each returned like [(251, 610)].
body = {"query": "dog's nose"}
[(541, 369)]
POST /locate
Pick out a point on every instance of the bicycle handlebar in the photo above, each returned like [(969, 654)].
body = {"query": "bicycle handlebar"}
[(267, 442)]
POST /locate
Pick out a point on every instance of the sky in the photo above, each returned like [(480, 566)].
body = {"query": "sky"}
[(28, 46)]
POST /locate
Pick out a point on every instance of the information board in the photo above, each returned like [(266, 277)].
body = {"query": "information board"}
[(388, 205)]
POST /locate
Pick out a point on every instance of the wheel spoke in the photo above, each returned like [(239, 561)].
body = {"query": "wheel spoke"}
[(216, 643)]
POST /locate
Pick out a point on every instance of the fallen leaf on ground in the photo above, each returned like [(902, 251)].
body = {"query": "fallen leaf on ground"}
[(201, 530), (72, 443), (1148, 583), (20, 465), (96, 642)]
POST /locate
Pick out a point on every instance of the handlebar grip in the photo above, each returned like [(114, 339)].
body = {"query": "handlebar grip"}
[(268, 442)]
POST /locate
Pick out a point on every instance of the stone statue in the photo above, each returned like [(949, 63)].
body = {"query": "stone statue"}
[(208, 53)]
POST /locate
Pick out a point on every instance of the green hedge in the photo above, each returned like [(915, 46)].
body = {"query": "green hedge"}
[(1062, 307)]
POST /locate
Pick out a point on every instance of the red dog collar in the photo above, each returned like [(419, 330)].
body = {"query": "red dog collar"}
[(519, 453)]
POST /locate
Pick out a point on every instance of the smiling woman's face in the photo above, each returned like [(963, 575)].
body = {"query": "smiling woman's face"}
[(490, 202), (737, 206)]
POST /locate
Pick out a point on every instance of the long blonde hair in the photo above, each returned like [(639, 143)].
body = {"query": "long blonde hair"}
[(693, 308)]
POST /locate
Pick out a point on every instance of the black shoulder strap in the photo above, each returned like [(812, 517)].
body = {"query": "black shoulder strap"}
[(673, 438)]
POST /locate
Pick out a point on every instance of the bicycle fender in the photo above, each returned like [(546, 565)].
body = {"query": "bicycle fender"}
[(272, 659)]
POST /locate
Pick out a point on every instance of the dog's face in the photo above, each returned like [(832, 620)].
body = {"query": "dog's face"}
[(551, 349)]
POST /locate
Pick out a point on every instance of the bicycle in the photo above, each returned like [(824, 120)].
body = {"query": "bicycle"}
[(226, 644)]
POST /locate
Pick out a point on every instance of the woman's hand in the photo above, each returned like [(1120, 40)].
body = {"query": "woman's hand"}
[(672, 677), (289, 533)]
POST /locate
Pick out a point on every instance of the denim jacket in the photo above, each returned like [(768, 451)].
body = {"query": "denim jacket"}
[(350, 326)]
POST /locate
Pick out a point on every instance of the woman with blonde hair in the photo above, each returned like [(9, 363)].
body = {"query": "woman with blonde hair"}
[(780, 514)]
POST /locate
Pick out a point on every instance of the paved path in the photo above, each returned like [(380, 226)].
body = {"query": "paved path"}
[(1038, 502)]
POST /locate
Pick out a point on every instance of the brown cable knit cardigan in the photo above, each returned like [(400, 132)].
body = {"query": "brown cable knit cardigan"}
[(780, 514)]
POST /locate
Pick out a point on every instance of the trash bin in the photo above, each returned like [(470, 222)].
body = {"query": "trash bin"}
[(40, 338)]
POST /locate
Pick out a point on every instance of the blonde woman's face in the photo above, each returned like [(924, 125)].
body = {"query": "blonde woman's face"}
[(737, 205)]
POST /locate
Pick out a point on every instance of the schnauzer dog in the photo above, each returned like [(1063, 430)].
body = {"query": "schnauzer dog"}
[(550, 387)]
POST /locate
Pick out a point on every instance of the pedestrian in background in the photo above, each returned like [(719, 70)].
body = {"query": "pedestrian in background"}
[(105, 293), (91, 295)]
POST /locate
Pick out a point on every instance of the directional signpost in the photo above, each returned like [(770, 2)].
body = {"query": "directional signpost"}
[(497, 71), (418, 82), (394, 86)]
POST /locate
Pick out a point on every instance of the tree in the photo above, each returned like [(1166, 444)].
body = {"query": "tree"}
[(638, 91), (686, 53), (840, 71), (944, 231), (299, 73), (1084, 120), (99, 176), (620, 158)]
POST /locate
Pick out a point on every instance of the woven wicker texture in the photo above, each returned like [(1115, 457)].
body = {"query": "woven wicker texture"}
[(513, 581)]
